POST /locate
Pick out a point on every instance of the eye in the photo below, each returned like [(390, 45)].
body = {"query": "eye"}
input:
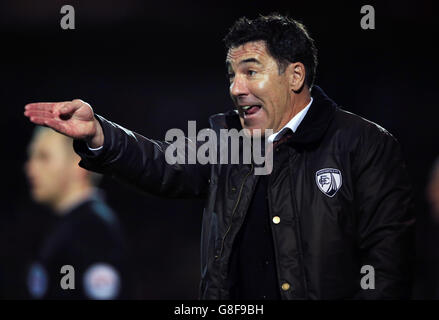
[(230, 76), (251, 72)]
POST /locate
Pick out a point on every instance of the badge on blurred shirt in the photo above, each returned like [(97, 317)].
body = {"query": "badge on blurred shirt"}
[(37, 281), (101, 282)]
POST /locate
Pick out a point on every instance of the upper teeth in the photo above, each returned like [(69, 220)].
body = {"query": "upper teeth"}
[(246, 107)]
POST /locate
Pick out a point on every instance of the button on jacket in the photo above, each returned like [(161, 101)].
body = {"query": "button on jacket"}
[(339, 198)]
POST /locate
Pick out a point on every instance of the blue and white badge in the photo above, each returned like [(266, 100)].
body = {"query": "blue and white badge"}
[(101, 282), (329, 181), (37, 281)]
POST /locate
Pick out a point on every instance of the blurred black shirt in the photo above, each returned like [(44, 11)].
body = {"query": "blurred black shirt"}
[(88, 238)]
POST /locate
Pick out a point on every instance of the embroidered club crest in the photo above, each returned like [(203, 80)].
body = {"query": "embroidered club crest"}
[(329, 181)]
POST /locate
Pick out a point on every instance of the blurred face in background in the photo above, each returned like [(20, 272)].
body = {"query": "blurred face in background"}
[(50, 167), (433, 192)]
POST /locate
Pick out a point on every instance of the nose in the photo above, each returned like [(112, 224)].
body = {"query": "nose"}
[(238, 87)]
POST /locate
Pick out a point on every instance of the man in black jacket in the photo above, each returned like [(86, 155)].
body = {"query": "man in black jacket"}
[(331, 221)]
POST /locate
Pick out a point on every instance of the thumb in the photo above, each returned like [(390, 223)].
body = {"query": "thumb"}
[(69, 108)]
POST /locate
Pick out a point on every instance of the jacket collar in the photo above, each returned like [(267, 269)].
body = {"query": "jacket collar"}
[(311, 129), (317, 119)]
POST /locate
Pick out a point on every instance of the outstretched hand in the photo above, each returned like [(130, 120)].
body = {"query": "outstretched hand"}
[(71, 118)]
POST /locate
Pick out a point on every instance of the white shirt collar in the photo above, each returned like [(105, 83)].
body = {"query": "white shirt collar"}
[(293, 124)]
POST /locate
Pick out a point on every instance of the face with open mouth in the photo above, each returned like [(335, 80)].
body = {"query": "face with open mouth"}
[(261, 95)]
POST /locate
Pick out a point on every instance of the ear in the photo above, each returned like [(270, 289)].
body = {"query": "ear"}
[(296, 73)]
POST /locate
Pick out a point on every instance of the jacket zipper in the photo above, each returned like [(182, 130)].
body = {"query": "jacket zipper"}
[(234, 210), (274, 237), (298, 226)]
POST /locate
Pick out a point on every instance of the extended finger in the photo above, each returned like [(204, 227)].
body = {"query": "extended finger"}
[(56, 125), (38, 120), (37, 113), (42, 106)]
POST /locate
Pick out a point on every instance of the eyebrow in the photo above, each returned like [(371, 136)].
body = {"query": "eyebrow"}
[(249, 60)]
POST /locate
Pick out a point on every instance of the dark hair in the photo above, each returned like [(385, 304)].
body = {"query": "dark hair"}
[(287, 41)]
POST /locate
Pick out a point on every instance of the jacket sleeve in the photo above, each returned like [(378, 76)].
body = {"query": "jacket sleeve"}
[(385, 220), (141, 162)]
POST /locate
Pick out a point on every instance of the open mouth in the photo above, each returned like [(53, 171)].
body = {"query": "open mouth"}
[(250, 110)]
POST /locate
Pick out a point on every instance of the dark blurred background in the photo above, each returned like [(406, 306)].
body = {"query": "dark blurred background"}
[(151, 66)]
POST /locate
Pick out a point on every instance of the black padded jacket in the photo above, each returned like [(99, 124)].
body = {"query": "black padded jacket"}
[(339, 197)]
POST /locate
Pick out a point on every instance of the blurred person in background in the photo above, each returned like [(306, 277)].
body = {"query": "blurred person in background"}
[(87, 237), (430, 269), (427, 254), (433, 191)]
